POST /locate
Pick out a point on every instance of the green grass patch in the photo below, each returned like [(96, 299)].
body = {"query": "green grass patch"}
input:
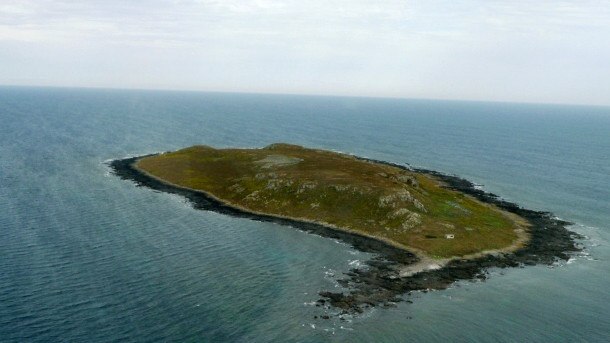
[(405, 207)]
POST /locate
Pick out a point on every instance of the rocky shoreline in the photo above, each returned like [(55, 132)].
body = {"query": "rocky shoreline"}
[(380, 282)]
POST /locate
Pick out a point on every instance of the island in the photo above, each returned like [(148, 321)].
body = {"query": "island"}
[(426, 229)]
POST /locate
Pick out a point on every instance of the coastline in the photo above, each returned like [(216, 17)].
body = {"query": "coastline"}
[(395, 270)]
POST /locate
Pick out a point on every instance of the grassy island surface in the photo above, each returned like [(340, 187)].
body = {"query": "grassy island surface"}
[(402, 207)]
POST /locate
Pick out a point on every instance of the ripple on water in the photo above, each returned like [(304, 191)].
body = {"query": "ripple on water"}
[(88, 257)]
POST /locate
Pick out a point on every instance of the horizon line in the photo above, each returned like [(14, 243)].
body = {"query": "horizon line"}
[(246, 92)]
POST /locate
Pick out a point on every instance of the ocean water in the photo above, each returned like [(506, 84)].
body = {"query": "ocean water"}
[(87, 257)]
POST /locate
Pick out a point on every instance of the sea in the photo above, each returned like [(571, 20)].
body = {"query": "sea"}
[(88, 257)]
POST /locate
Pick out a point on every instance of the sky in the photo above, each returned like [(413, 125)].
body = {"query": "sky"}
[(523, 51)]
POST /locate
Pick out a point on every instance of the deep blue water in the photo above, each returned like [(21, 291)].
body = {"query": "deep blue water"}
[(87, 257)]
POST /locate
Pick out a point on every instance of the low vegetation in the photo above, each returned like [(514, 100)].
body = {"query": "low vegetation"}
[(402, 207)]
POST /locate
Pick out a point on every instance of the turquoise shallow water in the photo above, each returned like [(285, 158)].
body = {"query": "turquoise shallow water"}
[(87, 257)]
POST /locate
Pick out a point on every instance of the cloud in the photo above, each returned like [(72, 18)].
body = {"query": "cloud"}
[(476, 49)]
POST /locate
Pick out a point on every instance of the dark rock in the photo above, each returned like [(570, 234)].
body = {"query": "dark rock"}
[(380, 283)]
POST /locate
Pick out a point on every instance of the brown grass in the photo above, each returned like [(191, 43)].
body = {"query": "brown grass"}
[(406, 208)]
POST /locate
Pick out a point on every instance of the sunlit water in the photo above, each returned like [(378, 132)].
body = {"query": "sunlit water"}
[(85, 256)]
